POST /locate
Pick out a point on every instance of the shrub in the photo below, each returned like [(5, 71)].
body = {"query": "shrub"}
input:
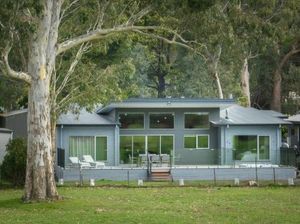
[(14, 163)]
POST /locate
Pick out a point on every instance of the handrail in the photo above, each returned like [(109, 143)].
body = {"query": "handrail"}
[(149, 165)]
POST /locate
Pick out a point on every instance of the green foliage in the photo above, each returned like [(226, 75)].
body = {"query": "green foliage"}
[(14, 163)]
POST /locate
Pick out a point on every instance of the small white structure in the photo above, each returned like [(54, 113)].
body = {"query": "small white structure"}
[(61, 182), (236, 181), (92, 182), (291, 182), (5, 136), (181, 182), (140, 182)]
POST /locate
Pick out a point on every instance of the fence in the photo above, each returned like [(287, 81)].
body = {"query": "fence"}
[(290, 157)]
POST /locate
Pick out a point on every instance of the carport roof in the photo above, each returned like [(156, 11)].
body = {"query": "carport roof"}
[(294, 119), (237, 115)]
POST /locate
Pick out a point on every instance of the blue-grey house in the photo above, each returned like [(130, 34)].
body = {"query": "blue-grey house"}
[(189, 131)]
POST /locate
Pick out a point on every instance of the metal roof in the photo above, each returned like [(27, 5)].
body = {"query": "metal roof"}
[(84, 118), (15, 112), (276, 114), (167, 103), (294, 118), (5, 130), (237, 115)]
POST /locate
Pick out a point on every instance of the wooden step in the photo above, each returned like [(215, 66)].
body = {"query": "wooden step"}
[(160, 175)]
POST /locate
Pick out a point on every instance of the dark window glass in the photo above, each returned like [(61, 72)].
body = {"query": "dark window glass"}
[(125, 149), (153, 144), (195, 120), (245, 147), (166, 144), (264, 147), (190, 142), (131, 120), (162, 120), (101, 148), (203, 141)]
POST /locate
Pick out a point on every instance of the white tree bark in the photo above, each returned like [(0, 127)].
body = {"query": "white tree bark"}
[(40, 183), (245, 79), (219, 86)]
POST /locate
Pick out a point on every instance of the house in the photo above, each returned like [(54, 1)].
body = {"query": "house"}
[(189, 131), (15, 121), (5, 136)]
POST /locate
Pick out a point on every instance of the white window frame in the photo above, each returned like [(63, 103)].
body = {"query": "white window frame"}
[(197, 145), (149, 122), (138, 129), (132, 135), (198, 113), (257, 146), (106, 147), (160, 135)]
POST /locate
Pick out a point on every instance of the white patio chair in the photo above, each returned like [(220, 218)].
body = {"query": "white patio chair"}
[(76, 162), (165, 158), (89, 159), (155, 158)]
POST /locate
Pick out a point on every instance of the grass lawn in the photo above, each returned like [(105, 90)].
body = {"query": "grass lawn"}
[(157, 205)]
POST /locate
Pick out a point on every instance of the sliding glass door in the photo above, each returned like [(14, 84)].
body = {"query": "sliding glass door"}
[(132, 146), (251, 147)]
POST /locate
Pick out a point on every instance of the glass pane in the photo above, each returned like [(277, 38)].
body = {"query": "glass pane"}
[(203, 141), (153, 144), (163, 120), (264, 147), (166, 144), (244, 147), (72, 147), (131, 121), (138, 146), (81, 145), (190, 142), (125, 149), (101, 148), (196, 121)]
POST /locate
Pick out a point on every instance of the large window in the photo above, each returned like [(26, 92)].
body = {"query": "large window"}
[(196, 141), (161, 120), (196, 120), (131, 120), (88, 145), (81, 145), (251, 147), (130, 148), (160, 144)]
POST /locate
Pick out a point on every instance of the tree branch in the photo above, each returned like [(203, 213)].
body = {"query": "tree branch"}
[(71, 69), (5, 67), (98, 34)]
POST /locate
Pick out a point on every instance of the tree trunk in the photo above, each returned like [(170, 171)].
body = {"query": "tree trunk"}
[(219, 87), (40, 182), (245, 78), (276, 94)]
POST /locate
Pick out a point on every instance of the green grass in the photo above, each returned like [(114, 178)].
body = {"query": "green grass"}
[(157, 205)]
